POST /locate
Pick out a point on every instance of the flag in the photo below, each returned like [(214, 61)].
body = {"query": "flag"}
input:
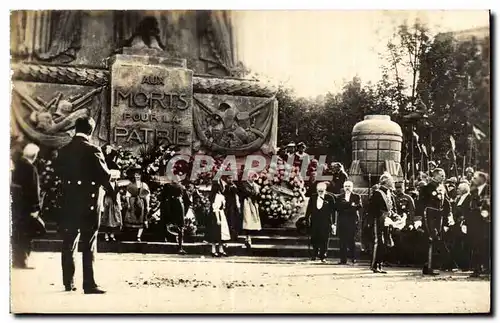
[(424, 150), (478, 133), (416, 139), (433, 149), (452, 140), (416, 136)]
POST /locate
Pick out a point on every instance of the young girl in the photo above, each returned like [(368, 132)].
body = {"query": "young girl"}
[(111, 207), (138, 194), (251, 218), (217, 228)]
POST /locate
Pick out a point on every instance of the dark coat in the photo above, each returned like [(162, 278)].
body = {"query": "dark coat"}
[(174, 204), (406, 205), (348, 210), (25, 192), (476, 223), (82, 169), (462, 211), (320, 220), (434, 211)]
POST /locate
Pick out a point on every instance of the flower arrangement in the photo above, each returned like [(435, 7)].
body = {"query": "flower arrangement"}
[(281, 198)]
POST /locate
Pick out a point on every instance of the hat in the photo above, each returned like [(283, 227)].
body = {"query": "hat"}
[(469, 169), (432, 163), (452, 180), (301, 144), (292, 144)]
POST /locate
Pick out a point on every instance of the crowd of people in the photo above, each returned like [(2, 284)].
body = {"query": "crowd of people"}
[(437, 222)]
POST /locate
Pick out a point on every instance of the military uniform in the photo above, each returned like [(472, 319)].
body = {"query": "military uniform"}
[(82, 169), (405, 206), (379, 207), (434, 207)]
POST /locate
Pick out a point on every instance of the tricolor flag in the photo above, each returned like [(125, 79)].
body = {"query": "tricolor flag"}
[(478, 133)]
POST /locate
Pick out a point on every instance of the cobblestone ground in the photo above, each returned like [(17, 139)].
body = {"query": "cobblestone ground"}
[(177, 284)]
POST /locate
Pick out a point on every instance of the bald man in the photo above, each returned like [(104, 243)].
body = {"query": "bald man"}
[(25, 205), (319, 214)]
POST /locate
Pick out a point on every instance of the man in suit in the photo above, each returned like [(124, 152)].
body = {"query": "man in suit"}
[(82, 169), (479, 224), (348, 206), (380, 208), (319, 214), (457, 237), (435, 209), (25, 205)]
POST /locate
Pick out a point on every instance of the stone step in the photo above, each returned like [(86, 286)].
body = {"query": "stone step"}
[(198, 248), (256, 239)]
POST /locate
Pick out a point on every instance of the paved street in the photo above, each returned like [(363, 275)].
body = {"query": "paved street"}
[(175, 284)]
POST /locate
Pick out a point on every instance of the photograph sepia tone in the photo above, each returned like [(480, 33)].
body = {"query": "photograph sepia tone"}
[(209, 161)]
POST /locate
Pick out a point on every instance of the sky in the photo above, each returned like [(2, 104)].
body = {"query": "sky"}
[(316, 52)]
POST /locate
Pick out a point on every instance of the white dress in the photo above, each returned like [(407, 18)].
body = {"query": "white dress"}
[(218, 206)]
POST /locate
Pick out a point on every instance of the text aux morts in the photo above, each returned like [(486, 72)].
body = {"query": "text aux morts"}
[(146, 102)]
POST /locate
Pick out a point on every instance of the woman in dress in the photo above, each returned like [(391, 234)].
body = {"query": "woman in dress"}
[(137, 197), (110, 207), (217, 228), (251, 219)]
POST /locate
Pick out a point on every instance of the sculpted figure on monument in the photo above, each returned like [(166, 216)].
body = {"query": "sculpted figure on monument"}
[(138, 31), (225, 128), (45, 35)]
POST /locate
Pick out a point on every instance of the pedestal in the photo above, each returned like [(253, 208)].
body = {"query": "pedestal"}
[(151, 101)]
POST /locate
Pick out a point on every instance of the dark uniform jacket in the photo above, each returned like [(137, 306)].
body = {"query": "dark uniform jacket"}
[(377, 207), (320, 220), (25, 191), (406, 205), (348, 210), (433, 210), (82, 169)]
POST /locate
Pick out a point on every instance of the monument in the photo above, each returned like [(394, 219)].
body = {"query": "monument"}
[(146, 77)]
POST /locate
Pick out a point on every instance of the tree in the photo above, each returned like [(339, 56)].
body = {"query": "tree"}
[(455, 83)]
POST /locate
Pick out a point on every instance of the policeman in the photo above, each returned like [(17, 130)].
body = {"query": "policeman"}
[(405, 207), (82, 169), (435, 209)]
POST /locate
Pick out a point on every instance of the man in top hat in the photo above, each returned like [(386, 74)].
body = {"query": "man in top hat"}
[(82, 169), (435, 209)]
